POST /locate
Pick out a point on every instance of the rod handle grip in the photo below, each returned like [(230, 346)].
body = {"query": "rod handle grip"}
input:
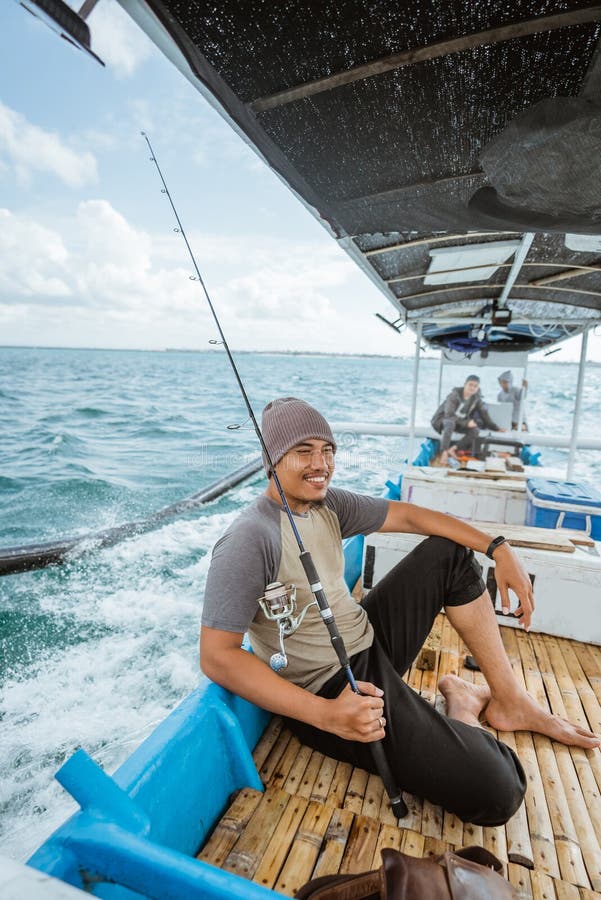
[(309, 567)]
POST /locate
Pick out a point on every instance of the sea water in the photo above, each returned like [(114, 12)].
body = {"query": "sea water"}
[(95, 652)]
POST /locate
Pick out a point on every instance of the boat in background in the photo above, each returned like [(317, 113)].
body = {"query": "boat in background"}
[(429, 150)]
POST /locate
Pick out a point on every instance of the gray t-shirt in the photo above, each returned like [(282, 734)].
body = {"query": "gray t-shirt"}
[(260, 548)]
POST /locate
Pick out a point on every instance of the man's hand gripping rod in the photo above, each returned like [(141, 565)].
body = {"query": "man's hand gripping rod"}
[(381, 763)]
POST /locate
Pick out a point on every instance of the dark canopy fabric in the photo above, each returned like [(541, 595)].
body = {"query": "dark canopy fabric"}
[(378, 115)]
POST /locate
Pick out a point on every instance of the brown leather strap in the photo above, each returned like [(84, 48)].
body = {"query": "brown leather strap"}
[(366, 886), (481, 856)]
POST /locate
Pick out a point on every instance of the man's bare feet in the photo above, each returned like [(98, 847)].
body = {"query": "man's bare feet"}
[(465, 701), (524, 714)]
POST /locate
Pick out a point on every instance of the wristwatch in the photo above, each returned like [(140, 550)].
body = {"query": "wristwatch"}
[(496, 542)]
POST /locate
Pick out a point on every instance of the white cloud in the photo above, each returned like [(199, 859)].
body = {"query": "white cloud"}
[(115, 267), (28, 148), (99, 262), (117, 40), (110, 239), (104, 268), (32, 259), (290, 282), (265, 278)]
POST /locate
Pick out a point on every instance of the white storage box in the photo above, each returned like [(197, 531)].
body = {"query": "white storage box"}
[(567, 586), (476, 499)]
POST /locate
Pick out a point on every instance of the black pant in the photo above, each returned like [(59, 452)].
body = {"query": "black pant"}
[(459, 767)]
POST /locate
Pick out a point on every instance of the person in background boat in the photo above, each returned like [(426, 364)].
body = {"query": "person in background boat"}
[(449, 759), (462, 410), (511, 394)]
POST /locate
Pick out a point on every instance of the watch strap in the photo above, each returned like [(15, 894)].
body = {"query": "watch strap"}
[(496, 542)]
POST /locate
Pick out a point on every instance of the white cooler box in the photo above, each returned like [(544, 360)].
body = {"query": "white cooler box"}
[(476, 499), (567, 586)]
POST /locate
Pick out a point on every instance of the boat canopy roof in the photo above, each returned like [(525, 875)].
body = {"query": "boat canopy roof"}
[(413, 128)]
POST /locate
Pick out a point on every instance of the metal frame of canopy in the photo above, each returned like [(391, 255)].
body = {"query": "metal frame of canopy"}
[(577, 405), (518, 262), (551, 441), (378, 428)]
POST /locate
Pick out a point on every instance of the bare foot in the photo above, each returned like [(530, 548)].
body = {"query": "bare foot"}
[(465, 701), (524, 714)]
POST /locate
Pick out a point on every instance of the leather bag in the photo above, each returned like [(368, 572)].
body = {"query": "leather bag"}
[(469, 874)]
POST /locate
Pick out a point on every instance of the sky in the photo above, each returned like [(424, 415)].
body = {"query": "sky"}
[(88, 255)]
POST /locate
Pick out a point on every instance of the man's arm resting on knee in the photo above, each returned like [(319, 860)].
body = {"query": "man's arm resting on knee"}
[(349, 715), (510, 573)]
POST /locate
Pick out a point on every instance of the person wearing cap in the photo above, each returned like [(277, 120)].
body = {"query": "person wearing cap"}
[(450, 760), (511, 394), (462, 409)]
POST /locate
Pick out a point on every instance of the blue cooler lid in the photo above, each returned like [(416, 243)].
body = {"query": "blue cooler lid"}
[(574, 493)]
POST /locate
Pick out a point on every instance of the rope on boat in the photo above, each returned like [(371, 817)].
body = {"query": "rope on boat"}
[(37, 556)]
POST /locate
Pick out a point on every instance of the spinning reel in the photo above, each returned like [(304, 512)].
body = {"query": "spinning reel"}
[(279, 605)]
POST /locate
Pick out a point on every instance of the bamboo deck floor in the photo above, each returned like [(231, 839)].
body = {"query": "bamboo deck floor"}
[(319, 816)]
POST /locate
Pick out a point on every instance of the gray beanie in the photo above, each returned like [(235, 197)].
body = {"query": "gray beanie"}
[(287, 422)]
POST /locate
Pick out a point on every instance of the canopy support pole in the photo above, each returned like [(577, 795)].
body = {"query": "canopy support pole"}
[(523, 397), (418, 342), (440, 376), (577, 405)]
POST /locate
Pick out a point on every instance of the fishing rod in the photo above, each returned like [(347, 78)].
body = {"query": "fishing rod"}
[(397, 803)]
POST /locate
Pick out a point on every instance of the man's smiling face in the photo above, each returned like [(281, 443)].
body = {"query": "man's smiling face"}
[(304, 472)]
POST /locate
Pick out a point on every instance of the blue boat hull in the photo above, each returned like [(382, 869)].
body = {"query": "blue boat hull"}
[(141, 828)]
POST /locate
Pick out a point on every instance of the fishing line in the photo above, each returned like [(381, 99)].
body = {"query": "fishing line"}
[(398, 806)]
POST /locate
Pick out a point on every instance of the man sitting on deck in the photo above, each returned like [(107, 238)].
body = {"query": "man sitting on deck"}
[(459, 412), (450, 760)]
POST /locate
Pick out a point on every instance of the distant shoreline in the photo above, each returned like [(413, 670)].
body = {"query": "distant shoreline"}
[(316, 353), (323, 353)]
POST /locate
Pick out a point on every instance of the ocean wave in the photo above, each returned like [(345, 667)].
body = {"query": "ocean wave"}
[(151, 430), (66, 443), (91, 412), (99, 625), (10, 484)]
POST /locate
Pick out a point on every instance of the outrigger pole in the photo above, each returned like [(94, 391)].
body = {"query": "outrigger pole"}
[(397, 803)]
